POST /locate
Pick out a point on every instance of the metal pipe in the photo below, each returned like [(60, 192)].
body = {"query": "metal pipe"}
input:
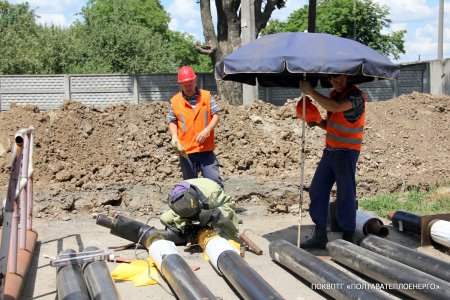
[(15, 281), (405, 221), (320, 273), (415, 259), (227, 261), (135, 231), (98, 279), (23, 195), (30, 184), (394, 275), (368, 224), (70, 281), (250, 244), (177, 272), (440, 232)]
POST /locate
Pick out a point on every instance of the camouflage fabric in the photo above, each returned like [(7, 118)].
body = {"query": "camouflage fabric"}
[(227, 225)]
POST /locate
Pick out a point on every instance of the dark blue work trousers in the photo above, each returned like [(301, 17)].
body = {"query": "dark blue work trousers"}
[(336, 166), (206, 162)]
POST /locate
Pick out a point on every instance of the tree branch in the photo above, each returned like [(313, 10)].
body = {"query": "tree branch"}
[(205, 49), (261, 18), (207, 24)]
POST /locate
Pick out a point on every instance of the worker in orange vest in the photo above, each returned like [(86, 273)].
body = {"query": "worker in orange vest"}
[(193, 116), (344, 128)]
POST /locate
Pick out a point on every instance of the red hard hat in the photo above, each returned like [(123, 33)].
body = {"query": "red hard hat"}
[(186, 74), (312, 114)]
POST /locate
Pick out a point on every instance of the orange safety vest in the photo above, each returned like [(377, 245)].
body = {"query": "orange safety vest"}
[(190, 123), (340, 132)]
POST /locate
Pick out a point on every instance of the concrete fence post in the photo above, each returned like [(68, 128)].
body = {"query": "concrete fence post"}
[(135, 88), (67, 87)]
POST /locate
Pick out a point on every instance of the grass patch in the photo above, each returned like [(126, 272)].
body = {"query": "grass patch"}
[(436, 201)]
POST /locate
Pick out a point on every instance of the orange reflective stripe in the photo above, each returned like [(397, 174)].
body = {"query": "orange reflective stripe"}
[(345, 128)]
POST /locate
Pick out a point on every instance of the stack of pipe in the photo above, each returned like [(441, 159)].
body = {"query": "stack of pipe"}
[(92, 280), (392, 274), (415, 259), (335, 282)]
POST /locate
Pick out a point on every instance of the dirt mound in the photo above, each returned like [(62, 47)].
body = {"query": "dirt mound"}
[(79, 148)]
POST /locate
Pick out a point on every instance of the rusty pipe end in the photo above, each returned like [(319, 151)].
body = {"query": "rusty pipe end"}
[(378, 229), (251, 244)]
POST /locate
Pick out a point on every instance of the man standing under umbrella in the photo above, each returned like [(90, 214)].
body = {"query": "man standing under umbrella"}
[(344, 127), (193, 116)]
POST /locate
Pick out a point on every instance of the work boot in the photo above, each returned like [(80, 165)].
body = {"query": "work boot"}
[(319, 240), (349, 236)]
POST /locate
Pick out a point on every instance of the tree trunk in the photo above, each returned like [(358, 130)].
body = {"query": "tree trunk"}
[(228, 36)]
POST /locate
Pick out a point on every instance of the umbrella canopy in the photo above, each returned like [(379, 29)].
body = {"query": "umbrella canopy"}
[(283, 59)]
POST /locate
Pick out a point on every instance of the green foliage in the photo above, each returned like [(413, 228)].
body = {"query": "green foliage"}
[(114, 36), (413, 201), (181, 44), (19, 36), (146, 13), (337, 17)]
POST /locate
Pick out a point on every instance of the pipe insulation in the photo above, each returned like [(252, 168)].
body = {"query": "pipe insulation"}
[(70, 281), (413, 258), (440, 232), (135, 231), (319, 273), (406, 221), (177, 272), (392, 274)]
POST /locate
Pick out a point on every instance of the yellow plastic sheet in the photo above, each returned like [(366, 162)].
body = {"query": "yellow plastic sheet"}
[(137, 272)]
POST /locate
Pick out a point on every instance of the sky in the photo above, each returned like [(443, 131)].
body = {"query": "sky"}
[(418, 17)]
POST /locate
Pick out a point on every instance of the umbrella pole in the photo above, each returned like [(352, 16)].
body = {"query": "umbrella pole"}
[(302, 171)]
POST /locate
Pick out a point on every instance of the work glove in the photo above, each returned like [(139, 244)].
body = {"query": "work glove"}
[(306, 87), (176, 145), (189, 234), (207, 216)]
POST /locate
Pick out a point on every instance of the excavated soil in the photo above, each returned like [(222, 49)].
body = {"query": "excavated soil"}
[(89, 160)]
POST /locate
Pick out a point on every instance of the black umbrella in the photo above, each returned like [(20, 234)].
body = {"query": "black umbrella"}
[(283, 59)]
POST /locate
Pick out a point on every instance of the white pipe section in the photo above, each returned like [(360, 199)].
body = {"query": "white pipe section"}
[(160, 249), (215, 248), (440, 232)]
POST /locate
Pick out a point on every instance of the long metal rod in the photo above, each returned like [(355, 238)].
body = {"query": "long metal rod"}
[(244, 278), (302, 171), (9, 215), (227, 261), (70, 281), (23, 194), (413, 258), (98, 279), (319, 273), (177, 272), (395, 275)]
